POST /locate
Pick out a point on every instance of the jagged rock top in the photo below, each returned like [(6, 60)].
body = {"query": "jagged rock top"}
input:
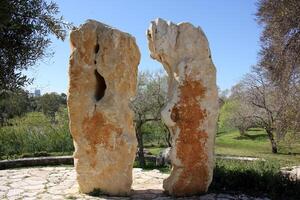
[(169, 42)]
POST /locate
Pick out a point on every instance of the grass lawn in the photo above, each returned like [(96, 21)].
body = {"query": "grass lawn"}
[(155, 150), (255, 144)]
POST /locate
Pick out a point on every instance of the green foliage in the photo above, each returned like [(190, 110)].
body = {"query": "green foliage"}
[(35, 154), (17, 103), (290, 143), (261, 178), (150, 98), (49, 103), (280, 41), (236, 112), (25, 27), (226, 115), (13, 104), (155, 150), (155, 134), (35, 133), (151, 166), (147, 105), (279, 63), (255, 177)]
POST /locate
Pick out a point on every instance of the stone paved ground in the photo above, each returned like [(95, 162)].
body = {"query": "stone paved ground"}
[(60, 183)]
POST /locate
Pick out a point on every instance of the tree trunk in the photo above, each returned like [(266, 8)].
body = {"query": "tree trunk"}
[(272, 140), (139, 137), (52, 117), (242, 131), (168, 137)]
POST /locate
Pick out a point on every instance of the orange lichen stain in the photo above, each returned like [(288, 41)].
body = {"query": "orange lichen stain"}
[(189, 117), (97, 130)]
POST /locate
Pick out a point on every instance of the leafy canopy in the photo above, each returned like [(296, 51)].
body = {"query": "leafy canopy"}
[(25, 27)]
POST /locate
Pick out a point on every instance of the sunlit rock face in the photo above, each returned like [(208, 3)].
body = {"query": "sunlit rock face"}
[(192, 108), (102, 79)]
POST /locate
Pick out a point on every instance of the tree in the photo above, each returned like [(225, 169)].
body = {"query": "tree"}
[(223, 97), (270, 110), (156, 133), (280, 40), (147, 105), (25, 27), (279, 58), (50, 103), (14, 104), (236, 114), (63, 99)]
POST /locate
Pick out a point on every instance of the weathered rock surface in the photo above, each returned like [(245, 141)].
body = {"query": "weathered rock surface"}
[(191, 112), (292, 172), (103, 76), (164, 157)]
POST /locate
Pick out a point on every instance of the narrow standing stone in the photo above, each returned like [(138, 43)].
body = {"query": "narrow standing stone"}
[(191, 112), (103, 78)]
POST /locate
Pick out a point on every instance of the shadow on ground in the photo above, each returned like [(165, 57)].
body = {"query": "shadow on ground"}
[(252, 137)]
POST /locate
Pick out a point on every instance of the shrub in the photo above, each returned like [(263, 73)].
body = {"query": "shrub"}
[(35, 133), (256, 178)]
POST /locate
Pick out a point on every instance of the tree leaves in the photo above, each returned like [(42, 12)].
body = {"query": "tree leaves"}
[(25, 27)]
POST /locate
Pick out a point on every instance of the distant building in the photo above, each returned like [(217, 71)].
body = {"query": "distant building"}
[(37, 93)]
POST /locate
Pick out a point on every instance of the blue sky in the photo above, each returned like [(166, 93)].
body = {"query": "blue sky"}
[(229, 25)]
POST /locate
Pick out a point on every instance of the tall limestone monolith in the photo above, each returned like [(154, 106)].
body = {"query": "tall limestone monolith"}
[(192, 108), (102, 79)]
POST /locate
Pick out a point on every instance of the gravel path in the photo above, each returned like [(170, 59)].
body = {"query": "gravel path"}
[(60, 183)]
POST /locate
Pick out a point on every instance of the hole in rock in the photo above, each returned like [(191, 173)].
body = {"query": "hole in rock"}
[(97, 48), (100, 86)]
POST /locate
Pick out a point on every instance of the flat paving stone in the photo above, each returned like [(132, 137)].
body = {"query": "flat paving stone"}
[(60, 183)]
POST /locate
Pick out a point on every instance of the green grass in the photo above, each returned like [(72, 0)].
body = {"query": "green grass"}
[(155, 150), (255, 144)]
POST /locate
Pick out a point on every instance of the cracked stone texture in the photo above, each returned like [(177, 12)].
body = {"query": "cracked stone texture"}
[(60, 183), (192, 108), (102, 79)]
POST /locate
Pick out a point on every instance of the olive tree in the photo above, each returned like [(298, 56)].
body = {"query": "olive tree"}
[(280, 40), (147, 105), (279, 56), (25, 27), (13, 104)]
